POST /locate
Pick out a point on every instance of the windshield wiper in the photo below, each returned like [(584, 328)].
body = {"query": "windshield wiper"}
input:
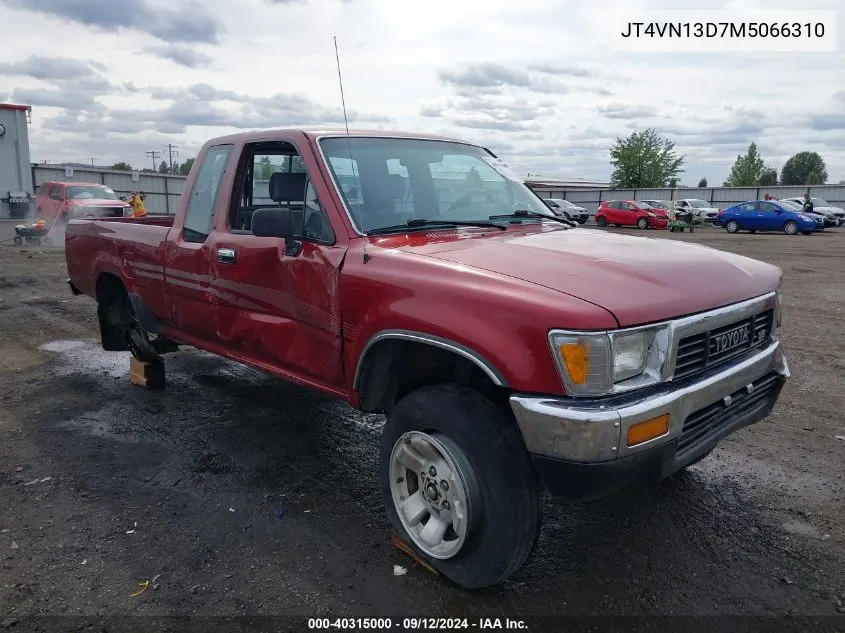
[(522, 213), (418, 223)]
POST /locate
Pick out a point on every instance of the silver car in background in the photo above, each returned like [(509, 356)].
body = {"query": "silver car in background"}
[(565, 209), (824, 207)]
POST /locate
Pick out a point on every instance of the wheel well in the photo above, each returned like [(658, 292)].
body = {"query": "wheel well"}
[(109, 287), (392, 369), (113, 312)]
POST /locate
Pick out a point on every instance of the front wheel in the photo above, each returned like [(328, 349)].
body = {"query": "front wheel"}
[(18, 240), (790, 227), (732, 226), (601, 221), (458, 484), (642, 223)]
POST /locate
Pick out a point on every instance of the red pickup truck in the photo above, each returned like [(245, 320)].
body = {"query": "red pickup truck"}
[(418, 276)]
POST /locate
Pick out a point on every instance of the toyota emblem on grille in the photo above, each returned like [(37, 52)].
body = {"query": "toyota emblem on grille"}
[(727, 400)]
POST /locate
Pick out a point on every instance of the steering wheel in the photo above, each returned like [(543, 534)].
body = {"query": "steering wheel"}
[(466, 199)]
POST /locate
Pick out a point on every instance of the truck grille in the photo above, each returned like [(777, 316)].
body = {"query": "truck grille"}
[(701, 426), (102, 212), (708, 349)]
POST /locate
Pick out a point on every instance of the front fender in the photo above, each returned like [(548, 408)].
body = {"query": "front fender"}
[(499, 323)]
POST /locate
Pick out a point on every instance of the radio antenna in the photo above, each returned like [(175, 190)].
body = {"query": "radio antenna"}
[(349, 138)]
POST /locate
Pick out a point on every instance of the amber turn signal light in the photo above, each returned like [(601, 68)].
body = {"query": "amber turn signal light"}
[(648, 430), (577, 361)]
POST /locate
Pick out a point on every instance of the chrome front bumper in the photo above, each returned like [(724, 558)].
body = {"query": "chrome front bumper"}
[(595, 431)]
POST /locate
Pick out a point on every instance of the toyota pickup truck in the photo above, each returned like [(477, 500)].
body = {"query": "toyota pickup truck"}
[(417, 276)]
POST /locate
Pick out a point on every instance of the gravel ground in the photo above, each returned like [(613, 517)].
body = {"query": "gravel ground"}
[(234, 494)]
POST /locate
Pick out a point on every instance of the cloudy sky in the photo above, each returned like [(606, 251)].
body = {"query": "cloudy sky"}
[(536, 81)]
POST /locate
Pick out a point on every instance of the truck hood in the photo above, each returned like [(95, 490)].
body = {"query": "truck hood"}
[(97, 202), (639, 280)]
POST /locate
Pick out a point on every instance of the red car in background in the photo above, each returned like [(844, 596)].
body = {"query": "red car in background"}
[(78, 200), (631, 213)]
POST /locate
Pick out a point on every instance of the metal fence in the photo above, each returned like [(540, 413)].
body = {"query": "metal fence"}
[(161, 191), (720, 197)]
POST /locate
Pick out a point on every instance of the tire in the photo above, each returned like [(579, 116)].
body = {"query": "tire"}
[(497, 481), (732, 226), (790, 227), (601, 221), (18, 240), (642, 223)]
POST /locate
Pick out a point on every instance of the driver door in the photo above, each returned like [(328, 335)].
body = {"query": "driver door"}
[(278, 300)]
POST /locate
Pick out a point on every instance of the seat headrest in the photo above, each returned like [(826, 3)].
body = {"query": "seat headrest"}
[(395, 187), (286, 187)]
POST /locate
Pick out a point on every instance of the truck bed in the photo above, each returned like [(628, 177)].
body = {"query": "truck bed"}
[(114, 245)]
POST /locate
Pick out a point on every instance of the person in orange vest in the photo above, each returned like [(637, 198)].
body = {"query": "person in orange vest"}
[(137, 202)]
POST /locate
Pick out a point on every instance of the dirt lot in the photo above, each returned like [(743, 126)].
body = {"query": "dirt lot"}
[(235, 494)]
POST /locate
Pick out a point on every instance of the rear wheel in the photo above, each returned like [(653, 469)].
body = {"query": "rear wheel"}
[(790, 227), (18, 240), (642, 223), (732, 226), (601, 220), (458, 484)]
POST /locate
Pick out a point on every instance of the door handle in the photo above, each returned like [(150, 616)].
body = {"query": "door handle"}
[(226, 255)]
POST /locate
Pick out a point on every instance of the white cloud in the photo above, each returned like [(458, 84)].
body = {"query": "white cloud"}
[(530, 80)]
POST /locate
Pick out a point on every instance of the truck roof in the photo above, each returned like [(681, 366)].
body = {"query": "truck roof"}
[(313, 134), (73, 183)]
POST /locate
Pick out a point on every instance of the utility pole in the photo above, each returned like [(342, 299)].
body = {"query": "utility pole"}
[(171, 151), (92, 160), (153, 154)]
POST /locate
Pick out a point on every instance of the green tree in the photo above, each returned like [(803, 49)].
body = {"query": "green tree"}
[(796, 170), (769, 177), (702, 183), (814, 179), (747, 170), (121, 167), (185, 168), (644, 160), (265, 169)]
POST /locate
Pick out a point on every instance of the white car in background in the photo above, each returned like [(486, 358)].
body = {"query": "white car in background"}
[(565, 209), (700, 209), (824, 207), (826, 216)]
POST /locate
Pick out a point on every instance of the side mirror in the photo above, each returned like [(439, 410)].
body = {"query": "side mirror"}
[(272, 222)]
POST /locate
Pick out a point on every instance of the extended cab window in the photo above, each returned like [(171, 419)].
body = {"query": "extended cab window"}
[(204, 194), (273, 174)]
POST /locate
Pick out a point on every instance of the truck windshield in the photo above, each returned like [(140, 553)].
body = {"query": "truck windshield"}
[(388, 181), (89, 193)]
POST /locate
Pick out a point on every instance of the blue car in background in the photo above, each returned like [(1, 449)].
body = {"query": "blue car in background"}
[(765, 215)]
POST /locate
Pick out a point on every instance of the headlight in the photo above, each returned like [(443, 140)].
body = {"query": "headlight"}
[(651, 214), (594, 364)]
